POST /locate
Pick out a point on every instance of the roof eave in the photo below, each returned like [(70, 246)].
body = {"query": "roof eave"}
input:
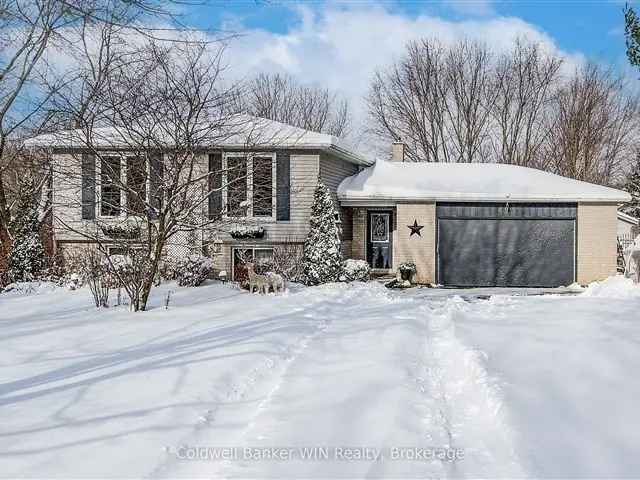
[(628, 218), (355, 200), (331, 148), (348, 155)]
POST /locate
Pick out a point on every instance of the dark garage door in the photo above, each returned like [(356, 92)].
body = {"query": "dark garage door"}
[(519, 245)]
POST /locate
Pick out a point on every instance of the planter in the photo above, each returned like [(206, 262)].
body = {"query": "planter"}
[(121, 232), (405, 276), (247, 233)]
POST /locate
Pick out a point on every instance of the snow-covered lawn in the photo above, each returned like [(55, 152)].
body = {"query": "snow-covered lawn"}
[(543, 386)]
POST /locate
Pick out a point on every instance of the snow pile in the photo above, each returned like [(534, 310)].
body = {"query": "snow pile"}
[(613, 287), (28, 288), (469, 181), (527, 387), (355, 271)]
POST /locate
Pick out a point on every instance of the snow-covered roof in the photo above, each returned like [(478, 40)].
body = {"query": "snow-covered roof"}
[(628, 218), (238, 131), (479, 182)]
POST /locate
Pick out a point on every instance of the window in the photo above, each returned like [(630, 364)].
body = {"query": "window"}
[(379, 227), (249, 185), (236, 186), (137, 184), (117, 251), (124, 179), (262, 187), (110, 171)]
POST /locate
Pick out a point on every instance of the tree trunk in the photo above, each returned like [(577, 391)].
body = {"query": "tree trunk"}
[(148, 281)]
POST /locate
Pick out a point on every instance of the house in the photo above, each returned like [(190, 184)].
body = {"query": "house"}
[(472, 224), (461, 224), (297, 159), (628, 226)]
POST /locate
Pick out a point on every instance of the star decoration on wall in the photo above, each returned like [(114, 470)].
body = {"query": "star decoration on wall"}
[(415, 228)]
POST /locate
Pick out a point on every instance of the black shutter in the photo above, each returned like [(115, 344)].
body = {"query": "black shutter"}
[(215, 185), (283, 186), (156, 174), (88, 187)]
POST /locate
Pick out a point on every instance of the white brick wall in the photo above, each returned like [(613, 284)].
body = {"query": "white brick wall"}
[(596, 226), (418, 249)]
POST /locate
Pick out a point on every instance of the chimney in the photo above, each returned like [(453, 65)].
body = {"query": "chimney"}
[(397, 152)]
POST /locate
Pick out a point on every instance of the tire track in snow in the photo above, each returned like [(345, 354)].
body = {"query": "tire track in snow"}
[(464, 400)]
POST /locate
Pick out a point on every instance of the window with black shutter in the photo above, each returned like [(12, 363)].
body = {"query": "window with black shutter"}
[(136, 185), (262, 186)]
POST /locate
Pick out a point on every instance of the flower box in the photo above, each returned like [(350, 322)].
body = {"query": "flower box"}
[(247, 232)]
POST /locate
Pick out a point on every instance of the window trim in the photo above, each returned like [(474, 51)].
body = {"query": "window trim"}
[(249, 156), (387, 216), (123, 156)]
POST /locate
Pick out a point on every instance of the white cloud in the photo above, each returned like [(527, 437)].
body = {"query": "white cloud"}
[(341, 46)]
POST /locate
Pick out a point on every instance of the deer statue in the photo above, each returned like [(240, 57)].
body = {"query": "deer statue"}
[(259, 282), (276, 281)]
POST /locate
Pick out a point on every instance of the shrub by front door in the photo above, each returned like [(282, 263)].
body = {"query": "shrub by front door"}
[(379, 245)]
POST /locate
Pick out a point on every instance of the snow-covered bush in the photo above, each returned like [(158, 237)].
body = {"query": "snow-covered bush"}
[(130, 271), (167, 269), (26, 259), (355, 271), (193, 270), (89, 267), (73, 281), (322, 258), (120, 268)]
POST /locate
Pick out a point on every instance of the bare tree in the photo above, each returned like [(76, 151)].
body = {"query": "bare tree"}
[(435, 100), (281, 98), (459, 104), (524, 85), (28, 31), (158, 113), (468, 76), (594, 129)]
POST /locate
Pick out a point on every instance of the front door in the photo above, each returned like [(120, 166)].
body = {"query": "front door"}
[(379, 232)]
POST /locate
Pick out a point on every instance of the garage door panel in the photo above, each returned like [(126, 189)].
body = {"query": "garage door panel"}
[(506, 252)]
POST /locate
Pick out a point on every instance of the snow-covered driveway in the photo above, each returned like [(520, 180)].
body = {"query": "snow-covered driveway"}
[(511, 386)]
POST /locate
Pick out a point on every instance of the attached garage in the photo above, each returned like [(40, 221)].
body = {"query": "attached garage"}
[(484, 225), (502, 244)]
